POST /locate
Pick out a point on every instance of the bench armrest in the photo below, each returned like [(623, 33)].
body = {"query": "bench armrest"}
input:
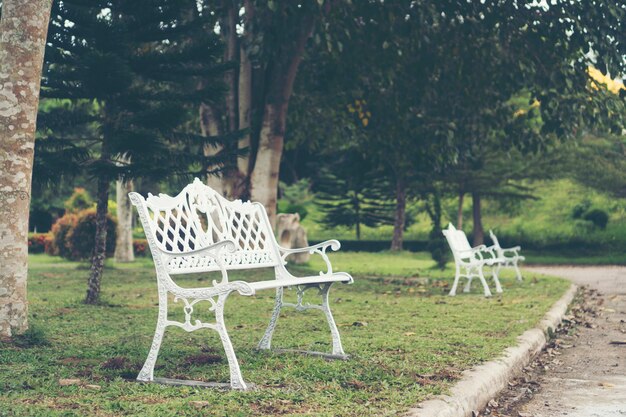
[(212, 251), (319, 248), (472, 253), (513, 249)]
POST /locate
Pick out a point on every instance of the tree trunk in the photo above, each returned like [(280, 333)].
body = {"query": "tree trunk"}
[(24, 26), (459, 213), (245, 105), (99, 252), (264, 179), (209, 126), (479, 233), (265, 174), (400, 216), (124, 243)]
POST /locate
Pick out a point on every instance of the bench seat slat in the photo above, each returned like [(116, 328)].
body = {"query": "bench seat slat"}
[(276, 283)]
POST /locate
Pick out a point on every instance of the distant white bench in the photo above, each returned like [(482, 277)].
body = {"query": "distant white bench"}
[(199, 231), (470, 261), (508, 257)]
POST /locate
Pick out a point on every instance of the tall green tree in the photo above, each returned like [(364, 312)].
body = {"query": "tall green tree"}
[(132, 72), (353, 194)]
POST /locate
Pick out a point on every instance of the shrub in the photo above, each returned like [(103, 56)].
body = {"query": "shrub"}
[(80, 200), (296, 208), (37, 242), (60, 230), (438, 247), (598, 217), (580, 209), (140, 247), (81, 238)]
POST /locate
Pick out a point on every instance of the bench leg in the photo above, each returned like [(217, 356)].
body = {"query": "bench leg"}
[(518, 273), (481, 275), (236, 380), (337, 348), (147, 372), (495, 272), (266, 340), (468, 284), (457, 275)]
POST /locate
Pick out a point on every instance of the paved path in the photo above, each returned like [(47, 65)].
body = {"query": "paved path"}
[(590, 377)]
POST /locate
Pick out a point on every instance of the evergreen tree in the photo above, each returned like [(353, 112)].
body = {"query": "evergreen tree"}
[(131, 73), (353, 194)]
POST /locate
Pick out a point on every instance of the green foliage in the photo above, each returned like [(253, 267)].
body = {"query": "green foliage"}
[(80, 239), (60, 230), (598, 217), (437, 245), (353, 200), (295, 198), (581, 208), (79, 200), (130, 81)]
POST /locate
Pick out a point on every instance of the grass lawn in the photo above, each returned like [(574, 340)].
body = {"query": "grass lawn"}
[(408, 341)]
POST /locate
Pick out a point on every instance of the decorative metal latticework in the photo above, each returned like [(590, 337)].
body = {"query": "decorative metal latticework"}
[(200, 231)]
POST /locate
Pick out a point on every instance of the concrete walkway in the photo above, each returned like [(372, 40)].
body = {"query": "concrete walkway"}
[(589, 379)]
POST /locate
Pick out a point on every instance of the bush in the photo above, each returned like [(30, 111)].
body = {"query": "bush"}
[(438, 247), (295, 208), (37, 242), (598, 217), (60, 230), (81, 238), (140, 247), (80, 200)]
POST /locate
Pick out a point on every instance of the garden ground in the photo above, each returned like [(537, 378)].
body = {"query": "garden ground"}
[(408, 341)]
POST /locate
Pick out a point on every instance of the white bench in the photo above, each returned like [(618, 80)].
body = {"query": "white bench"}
[(470, 261), (509, 257), (199, 231)]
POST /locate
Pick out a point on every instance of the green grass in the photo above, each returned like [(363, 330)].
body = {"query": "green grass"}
[(415, 343)]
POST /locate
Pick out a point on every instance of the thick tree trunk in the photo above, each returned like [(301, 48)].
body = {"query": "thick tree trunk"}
[(459, 212), (265, 174), (400, 215), (264, 179), (479, 233), (24, 26), (124, 243), (99, 252)]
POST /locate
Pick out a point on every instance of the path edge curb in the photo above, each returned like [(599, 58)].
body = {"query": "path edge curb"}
[(481, 384)]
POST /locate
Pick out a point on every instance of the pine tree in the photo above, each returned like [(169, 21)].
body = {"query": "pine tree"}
[(353, 194), (131, 73)]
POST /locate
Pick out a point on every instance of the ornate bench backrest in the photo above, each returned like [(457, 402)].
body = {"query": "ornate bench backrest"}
[(496, 244), (199, 217), (456, 239)]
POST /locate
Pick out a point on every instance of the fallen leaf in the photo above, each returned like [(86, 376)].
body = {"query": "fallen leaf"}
[(606, 384), (69, 381), (93, 386), (409, 334), (199, 404)]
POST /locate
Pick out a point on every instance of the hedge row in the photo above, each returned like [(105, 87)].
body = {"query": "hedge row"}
[(42, 243)]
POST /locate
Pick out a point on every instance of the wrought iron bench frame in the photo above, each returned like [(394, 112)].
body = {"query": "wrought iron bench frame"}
[(470, 261), (509, 257), (200, 231)]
